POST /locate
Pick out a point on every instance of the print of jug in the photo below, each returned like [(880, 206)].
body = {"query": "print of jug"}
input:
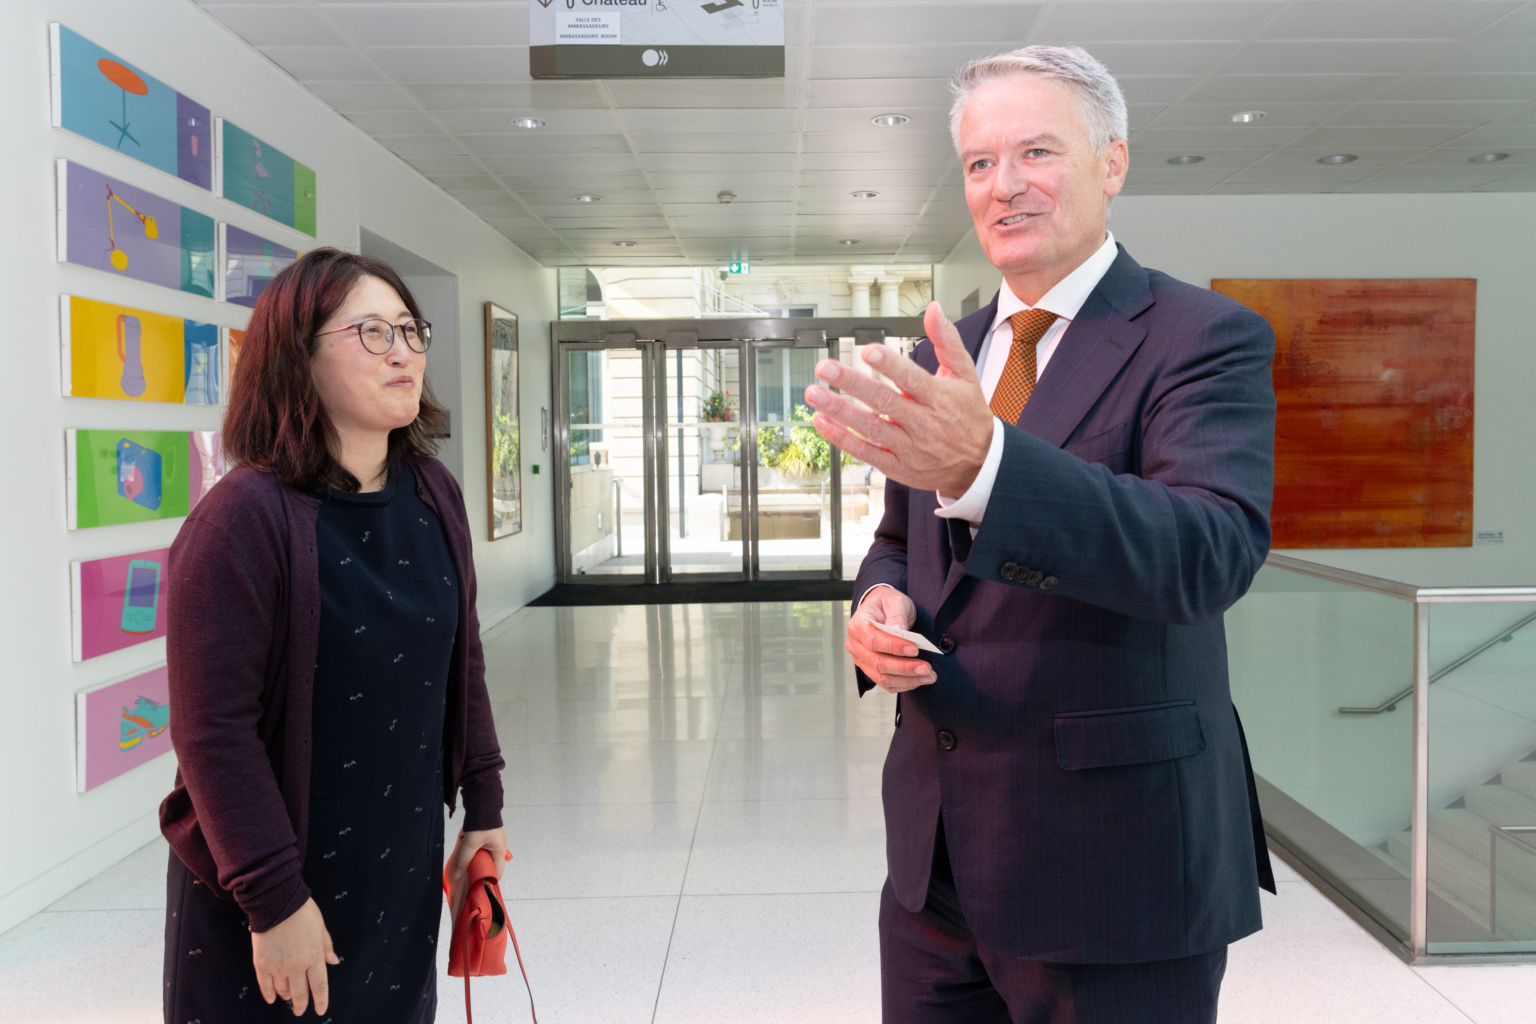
[(133, 382)]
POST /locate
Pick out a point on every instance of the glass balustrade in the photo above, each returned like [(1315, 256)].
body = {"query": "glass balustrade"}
[(1393, 734)]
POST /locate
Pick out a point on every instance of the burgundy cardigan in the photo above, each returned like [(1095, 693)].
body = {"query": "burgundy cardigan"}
[(243, 629)]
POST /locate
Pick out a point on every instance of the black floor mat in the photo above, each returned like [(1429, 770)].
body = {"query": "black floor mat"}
[(713, 592)]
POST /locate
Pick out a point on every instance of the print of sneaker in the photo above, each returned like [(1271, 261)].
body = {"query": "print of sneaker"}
[(145, 720)]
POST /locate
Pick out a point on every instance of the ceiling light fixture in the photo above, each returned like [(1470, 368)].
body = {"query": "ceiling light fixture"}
[(1338, 158), (1487, 158), (625, 245), (587, 197), (1185, 161), (1248, 116), (725, 197), (528, 122), (847, 241), (890, 120), (863, 195)]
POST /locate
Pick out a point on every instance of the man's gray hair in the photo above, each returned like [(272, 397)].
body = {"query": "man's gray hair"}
[(1101, 104)]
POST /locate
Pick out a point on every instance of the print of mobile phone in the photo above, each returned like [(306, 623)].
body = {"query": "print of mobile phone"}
[(138, 474), (142, 599)]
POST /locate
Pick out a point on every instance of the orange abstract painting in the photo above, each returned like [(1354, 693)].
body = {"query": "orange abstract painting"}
[(1373, 434)]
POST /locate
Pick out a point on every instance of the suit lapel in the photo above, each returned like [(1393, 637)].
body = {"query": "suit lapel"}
[(1096, 346)]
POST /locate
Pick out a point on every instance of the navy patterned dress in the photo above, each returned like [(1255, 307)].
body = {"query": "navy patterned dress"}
[(389, 612)]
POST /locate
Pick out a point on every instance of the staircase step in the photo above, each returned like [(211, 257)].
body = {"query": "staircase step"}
[(1452, 873), (1501, 805), (1521, 777), (1464, 829)]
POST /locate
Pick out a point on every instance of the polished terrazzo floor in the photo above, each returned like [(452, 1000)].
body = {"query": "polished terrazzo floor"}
[(693, 801)]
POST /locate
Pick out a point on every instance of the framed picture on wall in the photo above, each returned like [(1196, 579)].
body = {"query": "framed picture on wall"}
[(504, 479)]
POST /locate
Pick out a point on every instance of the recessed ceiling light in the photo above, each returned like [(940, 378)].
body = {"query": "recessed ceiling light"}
[(1338, 158), (863, 195), (889, 120), (1487, 158), (587, 197), (528, 122), (625, 245), (847, 241), (1248, 116), (1185, 161)]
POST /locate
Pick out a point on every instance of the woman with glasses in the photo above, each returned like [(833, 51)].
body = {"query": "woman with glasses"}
[(327, 681)]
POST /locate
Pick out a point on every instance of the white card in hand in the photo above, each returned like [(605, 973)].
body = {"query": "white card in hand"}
[(922, 642)]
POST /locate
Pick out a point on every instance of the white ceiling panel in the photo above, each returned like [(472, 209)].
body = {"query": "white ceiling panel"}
[(522, 97), (1277, 115), (445, 24), (998, 26), (322, 63), (706, 119), (914, 59), (1316, 57), (1459, 87), (499, 122), (695, 142), (1428, 112), (352, 96), (413, 64), (1400, 19), (891, 93), (279, 25), (1084, 23), (1413, 88)]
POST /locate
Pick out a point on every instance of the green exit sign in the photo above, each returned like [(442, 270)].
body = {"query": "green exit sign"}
[(739, 268)]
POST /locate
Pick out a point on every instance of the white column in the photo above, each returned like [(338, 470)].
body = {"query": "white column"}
[(858, 285), (890, 294)]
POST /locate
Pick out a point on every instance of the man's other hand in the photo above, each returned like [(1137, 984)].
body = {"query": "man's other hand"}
[(932, 434), (890, 661)]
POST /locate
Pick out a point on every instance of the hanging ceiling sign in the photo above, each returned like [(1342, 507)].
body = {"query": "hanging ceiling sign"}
[(656, 38)]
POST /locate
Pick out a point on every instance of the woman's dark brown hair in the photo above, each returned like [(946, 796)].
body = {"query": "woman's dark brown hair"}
[(275, 420)]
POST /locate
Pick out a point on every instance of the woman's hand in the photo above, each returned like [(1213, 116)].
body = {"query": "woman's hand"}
[(291, 957), (494, 841)]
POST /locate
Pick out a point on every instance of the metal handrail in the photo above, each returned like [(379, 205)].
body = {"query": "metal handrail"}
[(1391, 703), (1495, 833)]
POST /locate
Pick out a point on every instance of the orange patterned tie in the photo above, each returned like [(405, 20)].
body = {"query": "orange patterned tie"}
[(1018, 379)]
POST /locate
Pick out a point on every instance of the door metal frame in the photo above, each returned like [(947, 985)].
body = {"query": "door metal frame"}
[(654, 338)]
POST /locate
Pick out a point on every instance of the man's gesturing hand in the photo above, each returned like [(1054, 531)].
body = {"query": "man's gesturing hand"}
[(890, 661), (932, 435)]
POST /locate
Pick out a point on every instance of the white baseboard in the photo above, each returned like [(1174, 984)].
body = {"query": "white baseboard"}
[(60, 880)]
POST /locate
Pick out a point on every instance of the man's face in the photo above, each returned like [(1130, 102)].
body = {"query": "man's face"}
[(1038, 193)]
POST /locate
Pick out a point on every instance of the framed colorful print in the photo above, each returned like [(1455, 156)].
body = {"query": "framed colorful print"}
[(113, 351), (126, 231), (504, 480), (1373, 430), (249, 263), (261, 177), (127, 476), (117, 602), (120, 726), (107, 100)]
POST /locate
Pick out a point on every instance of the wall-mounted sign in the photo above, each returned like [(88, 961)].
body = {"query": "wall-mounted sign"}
[(656, 38)]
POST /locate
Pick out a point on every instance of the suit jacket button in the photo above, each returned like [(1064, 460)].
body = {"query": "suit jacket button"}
[(1009, 570), (946, 740), (1035, 578), (947, 644), (1049, 583)]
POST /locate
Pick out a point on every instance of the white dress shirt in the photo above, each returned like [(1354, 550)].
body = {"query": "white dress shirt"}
[(1065, 300)]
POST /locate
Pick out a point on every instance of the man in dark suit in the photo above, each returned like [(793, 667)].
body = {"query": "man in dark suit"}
[(1080, 480)]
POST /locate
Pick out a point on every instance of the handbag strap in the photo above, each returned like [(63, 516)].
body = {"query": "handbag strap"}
[(469, 1017)]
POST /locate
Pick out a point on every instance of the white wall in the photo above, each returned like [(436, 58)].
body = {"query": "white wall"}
[(1484, 236), (54, 839)]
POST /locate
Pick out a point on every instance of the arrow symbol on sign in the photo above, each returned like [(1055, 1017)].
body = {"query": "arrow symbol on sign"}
[(544, 3), (723, 5)]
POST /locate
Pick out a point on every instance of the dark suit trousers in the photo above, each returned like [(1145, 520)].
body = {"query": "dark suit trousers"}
[(933, 971)]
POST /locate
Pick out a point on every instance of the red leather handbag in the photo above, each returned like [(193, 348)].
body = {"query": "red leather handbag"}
[(478, 947)]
